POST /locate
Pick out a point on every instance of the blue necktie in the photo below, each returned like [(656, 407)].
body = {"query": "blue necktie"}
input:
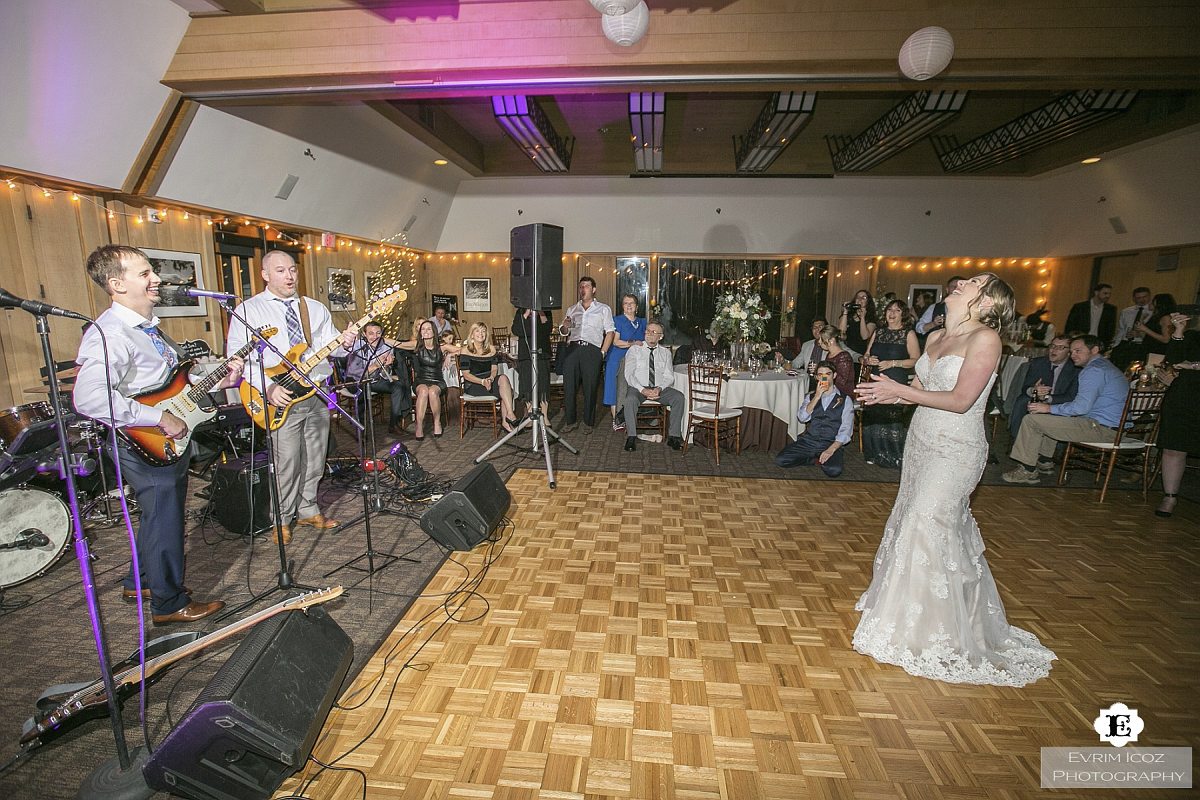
[(295, 332), (160, 344)]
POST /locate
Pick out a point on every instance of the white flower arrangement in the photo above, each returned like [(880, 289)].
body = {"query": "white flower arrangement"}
[(741, 316)]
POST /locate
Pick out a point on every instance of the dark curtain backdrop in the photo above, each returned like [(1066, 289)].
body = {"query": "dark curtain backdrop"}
[(689, 304)]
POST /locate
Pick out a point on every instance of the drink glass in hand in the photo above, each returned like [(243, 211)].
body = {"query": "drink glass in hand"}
[(812, 368)]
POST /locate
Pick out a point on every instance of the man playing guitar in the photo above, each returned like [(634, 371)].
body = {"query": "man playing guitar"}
[(140, 358), (300, 443)]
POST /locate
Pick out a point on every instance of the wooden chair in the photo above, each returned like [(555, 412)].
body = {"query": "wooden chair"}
[(472, 409), (704, 409), (652, 417), (1136, 437)]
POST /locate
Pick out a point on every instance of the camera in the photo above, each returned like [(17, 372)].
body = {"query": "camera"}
[(850, 306)]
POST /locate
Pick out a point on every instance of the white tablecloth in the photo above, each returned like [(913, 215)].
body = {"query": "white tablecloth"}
[(775, 392)]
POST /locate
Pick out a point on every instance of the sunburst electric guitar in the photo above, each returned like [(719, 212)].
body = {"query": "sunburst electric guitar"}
[(188, 401), (61, 708), (269, 417)]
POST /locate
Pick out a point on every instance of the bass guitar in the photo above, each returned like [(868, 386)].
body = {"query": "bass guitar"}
[(270, 417), (188, 401), (61, 708)]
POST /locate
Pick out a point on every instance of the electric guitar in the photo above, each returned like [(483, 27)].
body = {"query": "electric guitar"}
[(184, 400), (270, 417), (61, 708)]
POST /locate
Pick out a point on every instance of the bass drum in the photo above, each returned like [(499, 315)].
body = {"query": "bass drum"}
[(34, 531)]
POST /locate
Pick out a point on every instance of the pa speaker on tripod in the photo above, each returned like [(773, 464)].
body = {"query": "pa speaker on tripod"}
[(470, 511), (258, 718), (535, 254), (237, 485)]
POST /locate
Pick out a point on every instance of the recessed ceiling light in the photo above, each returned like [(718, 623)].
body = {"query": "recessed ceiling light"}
[(441, 162), (1091, 160), (699, 129), (602, 130)]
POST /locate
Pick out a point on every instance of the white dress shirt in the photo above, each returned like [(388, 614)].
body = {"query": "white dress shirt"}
[(135, 366), (846, 428), (1097, 311), (1127, 320), (637, 367), (807, 349), (264, 309), (589, 324)]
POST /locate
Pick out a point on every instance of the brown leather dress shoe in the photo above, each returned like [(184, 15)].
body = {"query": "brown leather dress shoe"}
[(319, 521), (129, 595), (190, 613)]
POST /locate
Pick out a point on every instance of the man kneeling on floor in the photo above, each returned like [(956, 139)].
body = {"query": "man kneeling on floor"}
[(829, 415), (650, 375)]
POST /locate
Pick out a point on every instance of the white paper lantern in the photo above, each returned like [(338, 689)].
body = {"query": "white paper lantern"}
[(614, 8), (926, 53), (626, 29)]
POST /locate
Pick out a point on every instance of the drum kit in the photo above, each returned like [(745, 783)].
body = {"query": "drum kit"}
[(35, 523)]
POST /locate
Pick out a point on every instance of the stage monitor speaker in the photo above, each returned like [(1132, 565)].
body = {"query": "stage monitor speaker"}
[(236, 486), (256, 721), (535, 254), (470, 511)]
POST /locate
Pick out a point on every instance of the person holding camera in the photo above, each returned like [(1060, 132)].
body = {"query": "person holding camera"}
[(858, 322), (829, 417)]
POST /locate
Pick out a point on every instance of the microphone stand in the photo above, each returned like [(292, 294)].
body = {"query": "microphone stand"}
[(284, 582), (124, 777), (370, 496), (542, 432)]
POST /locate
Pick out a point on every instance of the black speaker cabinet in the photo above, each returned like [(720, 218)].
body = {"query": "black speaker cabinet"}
[(536, 263), (237, 484), (258, 718), (470, 511)]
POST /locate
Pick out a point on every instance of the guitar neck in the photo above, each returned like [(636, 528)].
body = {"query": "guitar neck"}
[(307, 365), (205, 385)]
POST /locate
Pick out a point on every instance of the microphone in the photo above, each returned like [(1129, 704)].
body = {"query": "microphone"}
[(340, 299), (32, 538), (191, 291), (8, 300)]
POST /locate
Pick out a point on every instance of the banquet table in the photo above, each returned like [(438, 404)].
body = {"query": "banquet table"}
[(769, 403)]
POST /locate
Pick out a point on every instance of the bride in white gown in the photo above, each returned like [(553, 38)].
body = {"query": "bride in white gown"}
[(932, 607)]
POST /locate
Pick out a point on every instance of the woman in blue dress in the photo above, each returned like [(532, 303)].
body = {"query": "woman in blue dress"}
[(631, 331)]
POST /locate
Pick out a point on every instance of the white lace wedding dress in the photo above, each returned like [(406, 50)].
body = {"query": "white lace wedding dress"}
[(932, 607)]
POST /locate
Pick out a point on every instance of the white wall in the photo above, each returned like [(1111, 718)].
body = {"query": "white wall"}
[(1154, 188), (368, 177), (80, 83)]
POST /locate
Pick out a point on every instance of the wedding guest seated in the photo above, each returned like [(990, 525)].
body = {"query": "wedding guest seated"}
[(811, 352), (375, 358), (830, 340), (1051, 378), (829, 415), (428, 378), (480, 372), (1092, 416), (650, 374)]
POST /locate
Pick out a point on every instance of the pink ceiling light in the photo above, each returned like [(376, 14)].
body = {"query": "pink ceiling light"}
[(626, 29)]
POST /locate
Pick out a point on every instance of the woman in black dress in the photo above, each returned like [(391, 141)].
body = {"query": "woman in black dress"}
[(858, 321), (1179, 428), (1156, 331), (427, 378), (480, 367), (892, 350), (522, 328)]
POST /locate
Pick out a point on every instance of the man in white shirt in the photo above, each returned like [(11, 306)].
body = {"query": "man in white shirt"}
[(588, 326), (650, 374), (141, 358), (934, 317), (810, 351), (300, 444), (1127, 344)]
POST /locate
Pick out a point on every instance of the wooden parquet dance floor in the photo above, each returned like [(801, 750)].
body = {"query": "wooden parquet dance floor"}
[(647, 636)]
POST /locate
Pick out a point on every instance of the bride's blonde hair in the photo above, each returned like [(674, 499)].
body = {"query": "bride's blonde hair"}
[(1004, 302)]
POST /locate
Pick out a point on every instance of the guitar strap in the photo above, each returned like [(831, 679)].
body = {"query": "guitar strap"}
[(304, 324)]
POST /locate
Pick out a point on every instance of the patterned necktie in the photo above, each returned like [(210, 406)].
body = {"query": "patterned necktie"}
[(652, 384), (295, 332), (160, 344)]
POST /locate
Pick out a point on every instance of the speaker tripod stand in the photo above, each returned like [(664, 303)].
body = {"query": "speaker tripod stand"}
[(534, 419)]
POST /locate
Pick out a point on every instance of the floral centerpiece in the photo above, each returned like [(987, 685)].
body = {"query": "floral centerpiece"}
[(741, 317)]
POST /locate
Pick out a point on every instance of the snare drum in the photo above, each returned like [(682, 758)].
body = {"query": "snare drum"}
[(27, 429), (30, 516)]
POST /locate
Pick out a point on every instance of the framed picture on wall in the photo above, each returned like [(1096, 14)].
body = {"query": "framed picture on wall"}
[(922, 295), (341, 290), (181, 270), (477, 294)]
